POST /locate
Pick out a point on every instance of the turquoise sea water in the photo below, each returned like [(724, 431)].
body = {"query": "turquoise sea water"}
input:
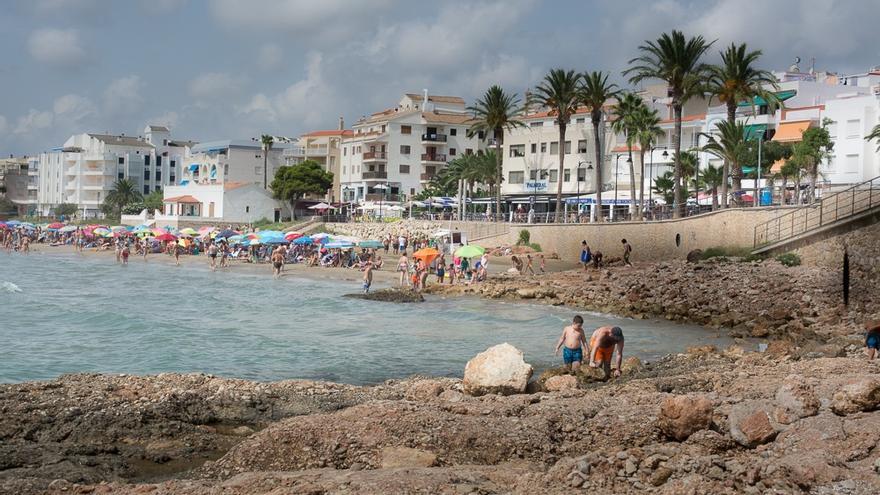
[(87, 314)]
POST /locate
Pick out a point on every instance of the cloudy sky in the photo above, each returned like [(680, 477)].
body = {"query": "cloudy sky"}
[(238, 68)]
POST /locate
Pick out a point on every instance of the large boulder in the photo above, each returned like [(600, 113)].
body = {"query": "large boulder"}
[(795, 399), (497, 370), (390, 295), (405, 457), (681, 416), (862, 395), (750, 425)]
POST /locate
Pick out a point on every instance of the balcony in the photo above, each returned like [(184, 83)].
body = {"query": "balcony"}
[(427, 177), (434, 157), (433, 138), (375, 156), (382, 197), (317, 149), (375, 175)]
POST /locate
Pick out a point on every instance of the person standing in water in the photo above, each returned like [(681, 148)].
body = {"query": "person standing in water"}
[(368, 276), (277, 263), (212, 253), (402, 268), (872, 338), (602, 344), (574, 342)]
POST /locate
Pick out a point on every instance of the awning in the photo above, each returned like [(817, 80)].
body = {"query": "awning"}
[(755, 131), (759, 102), (193, 167), (777, 166), (181, 199), (184, 182), (789, 132)]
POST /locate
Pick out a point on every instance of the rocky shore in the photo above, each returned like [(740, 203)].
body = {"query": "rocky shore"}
[(706, 421)]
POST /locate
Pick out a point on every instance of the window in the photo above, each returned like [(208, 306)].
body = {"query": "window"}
[(582, 174), (851, 165), (158, 161), (226, 169), (383, 128), (515, 177), (404, 169), (405, 149), (453, 131), (344, 150), (247, 209), (554, 175), (452, 151), (534, 148), (566, 177), (120, 175), (158, 175), (517, 150), (173, 164), (146, 175), (146, 160), (568, 147), (852, 128), (406, 129), (543, 147), (533, 175), (172, 179), (121, 160), (481, 135), (580, 120), (582, 145), (832, 130), (554, 148), (536, 124), (468, 151), (146, 189)]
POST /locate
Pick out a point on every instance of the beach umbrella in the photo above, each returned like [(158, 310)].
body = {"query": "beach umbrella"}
[(183, 242), (339, 245), (119, 228), (236, 239), (292, 235), (469, 251), (225, 233), (27, 225), (254, 242), (12, 223), (303, 240), (101, 231), (67, 228), (272, 237), (3, 225), (167, 236), (55, 225), (188, 231), (427, 255), (371, 244), (321, 206)]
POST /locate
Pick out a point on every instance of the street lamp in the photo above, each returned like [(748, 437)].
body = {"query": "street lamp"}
[(383, 188), (578, 181)]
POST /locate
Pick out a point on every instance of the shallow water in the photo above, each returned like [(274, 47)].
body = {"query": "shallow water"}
[(76, 314)]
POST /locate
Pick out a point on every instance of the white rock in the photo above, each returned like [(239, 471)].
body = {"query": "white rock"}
[(497, 370)]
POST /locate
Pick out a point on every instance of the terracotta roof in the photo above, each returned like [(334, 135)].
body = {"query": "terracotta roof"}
[(334, 132), (689, 118), (228, 186), (447, 118), (121, 140), (181, 199), (436, 98)]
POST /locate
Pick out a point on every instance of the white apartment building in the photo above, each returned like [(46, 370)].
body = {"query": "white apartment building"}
[(216, 162), (87, 166), (324, 147), (402, 148)]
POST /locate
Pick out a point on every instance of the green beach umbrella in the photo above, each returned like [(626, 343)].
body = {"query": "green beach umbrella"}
[(469, 251), (371, 244)]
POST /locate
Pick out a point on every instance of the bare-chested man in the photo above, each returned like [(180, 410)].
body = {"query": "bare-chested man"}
[(574, 342), (368, 275), (277, 262), (602, 345)]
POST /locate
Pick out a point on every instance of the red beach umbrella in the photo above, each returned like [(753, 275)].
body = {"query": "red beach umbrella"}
[(167, 236)]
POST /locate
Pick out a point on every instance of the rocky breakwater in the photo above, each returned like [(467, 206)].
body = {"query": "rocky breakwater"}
[(378, 231), (702, 422), (758, 299)]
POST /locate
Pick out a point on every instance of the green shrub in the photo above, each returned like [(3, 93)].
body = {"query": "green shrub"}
[(535, 246), (789, 259), (726, 252), (753, 257), (524, 237)]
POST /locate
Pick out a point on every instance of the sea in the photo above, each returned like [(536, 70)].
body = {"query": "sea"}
[(68, 313)]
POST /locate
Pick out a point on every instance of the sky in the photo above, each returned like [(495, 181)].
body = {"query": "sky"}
[(236, 69)]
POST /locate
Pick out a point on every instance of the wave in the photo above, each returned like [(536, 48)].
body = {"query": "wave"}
[(10, 287)]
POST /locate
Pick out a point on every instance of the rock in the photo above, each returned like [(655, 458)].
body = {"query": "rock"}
[(750, 425), (702, 350), (795, 400), (759, 331), (405, 457), (424, 390), (660, 476), (497, 370), (630, 365), (527, 293), (695, 256), (629, 467), (390, 295), (862, 395), (561, 382), (243, 431), (681, 416)]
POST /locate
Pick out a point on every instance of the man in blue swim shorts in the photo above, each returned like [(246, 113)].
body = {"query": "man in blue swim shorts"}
[(872, 338), (573, 342)]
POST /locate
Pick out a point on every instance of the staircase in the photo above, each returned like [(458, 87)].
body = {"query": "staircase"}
[(845, 210), (304, 226)]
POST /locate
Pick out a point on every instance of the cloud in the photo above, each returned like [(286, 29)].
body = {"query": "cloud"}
[(123, 95), (4, 125), (299, 15), (162, 6), (169, 119), (269, 56), (35, 120), (59, 47), (214, 85), (73, 108)]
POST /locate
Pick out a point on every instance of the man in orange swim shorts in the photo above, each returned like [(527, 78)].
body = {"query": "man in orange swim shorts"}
[(602, 345)]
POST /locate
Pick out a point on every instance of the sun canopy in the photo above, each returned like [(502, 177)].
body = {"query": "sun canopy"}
[(755, 131), (790, 132), (760, 102), (469, 251), (321, 206)]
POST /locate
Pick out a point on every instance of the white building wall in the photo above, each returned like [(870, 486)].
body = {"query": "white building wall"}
[(854, 159)]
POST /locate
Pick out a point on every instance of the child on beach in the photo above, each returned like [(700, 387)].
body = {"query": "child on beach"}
[(543, 263), (574, 342)]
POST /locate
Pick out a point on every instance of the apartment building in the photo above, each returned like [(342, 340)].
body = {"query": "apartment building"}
[(324, 147), (391, 155), (87, 166), (216, 162), (18, 183)]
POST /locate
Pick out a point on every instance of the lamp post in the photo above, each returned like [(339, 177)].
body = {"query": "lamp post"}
[(616, 170), (578, 181)]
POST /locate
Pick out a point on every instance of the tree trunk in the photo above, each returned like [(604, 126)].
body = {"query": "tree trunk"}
[(291, 206), (641, 209), (559, 175), (714, 198), (598, 147), (632, 185), (814, 177), (498, 173), (735, 170), (676, 175)]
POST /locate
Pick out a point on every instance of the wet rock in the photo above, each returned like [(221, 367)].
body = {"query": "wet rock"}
[(862, 395), (561, 382), (390, 295), (527, 293), (795, 399), (695, 255), (681, 416), (750, 425), (497, 370), (405, 457)]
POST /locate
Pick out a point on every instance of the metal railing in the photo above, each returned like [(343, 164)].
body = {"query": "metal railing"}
[(378, 174), (433, 137), (833, 208), (375, 155), (433, 157)]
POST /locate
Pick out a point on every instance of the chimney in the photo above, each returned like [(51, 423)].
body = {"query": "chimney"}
[(425, 100), (341, 123)]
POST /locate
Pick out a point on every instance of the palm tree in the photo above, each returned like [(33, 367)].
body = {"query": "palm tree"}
[(497, 112), (124, 193), (595, 92), (689, 163), (712, 178), (675, 60), (647, 128), (736, 80), (730, 145), (789, 170), (875, 134), (665, 187), (626, 112), (559, 93), (266, 141)]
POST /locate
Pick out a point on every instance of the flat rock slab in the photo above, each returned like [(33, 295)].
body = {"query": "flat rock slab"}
[(390, 295)]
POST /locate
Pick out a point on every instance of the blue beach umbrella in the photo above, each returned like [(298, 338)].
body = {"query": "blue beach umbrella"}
[(226, 233), (271, 237), (339, 245), (303, 240), (371, 244)]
